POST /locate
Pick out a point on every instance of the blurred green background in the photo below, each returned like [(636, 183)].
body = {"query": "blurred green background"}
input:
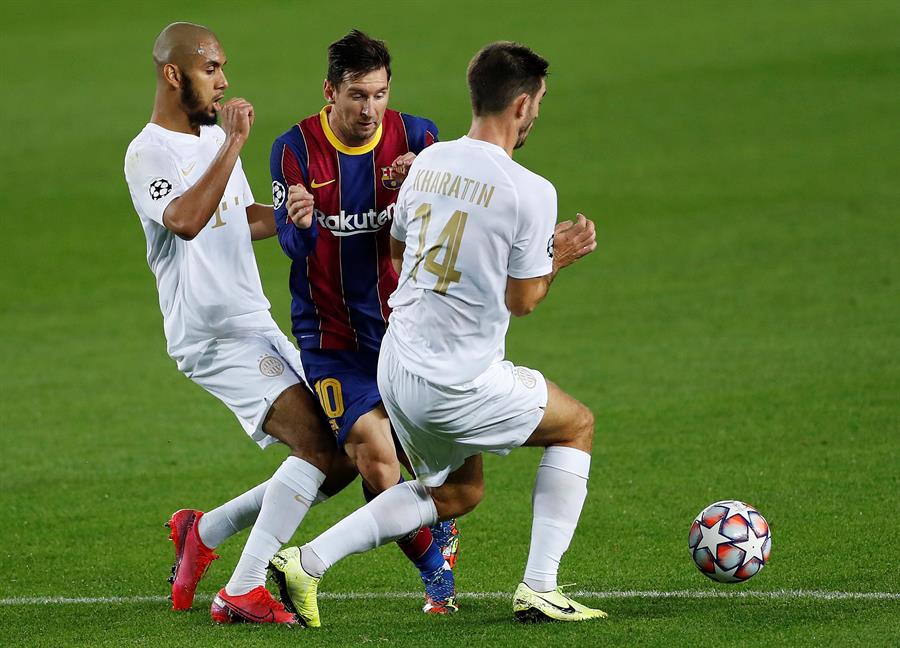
[(736, 334)]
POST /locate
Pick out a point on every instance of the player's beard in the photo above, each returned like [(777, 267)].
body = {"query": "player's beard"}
[(197, 113), (523, 135)]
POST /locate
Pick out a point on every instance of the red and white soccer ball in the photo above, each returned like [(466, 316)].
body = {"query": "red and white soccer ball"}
[(730, 541)]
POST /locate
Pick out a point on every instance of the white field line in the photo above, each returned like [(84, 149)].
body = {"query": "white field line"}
[(817, 595)]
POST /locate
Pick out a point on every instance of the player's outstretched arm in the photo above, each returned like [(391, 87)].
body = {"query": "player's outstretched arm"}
[(262, 224), (187, 215), (572, 240)]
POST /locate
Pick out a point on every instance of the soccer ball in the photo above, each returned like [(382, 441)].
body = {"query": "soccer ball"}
[(730, 541)]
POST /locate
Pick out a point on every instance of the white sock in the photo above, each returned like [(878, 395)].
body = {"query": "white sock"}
[(221, 523), (559, 492), (226, 520), (290, 492), (398, 511)]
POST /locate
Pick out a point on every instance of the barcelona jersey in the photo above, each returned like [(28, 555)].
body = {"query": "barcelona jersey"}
[(341, 270)]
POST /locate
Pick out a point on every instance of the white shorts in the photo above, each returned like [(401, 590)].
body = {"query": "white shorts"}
[(247, 373), (440, 427)]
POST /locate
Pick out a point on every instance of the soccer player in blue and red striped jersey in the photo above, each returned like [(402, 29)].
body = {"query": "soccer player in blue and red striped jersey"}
[(335, 178)]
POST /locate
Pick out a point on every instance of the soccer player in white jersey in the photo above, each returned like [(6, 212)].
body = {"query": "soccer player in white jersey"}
[(199, 217), (478, 239)]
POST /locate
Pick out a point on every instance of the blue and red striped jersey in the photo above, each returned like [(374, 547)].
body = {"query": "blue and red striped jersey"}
[(341, 271)]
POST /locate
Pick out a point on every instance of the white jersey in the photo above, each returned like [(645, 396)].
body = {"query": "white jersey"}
[(470, 217), (208, 287)]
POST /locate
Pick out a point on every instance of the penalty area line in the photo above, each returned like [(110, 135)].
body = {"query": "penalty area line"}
[(799, 594)]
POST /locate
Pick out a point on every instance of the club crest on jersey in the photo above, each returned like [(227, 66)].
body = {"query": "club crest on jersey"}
[(389, 179), (345, 224)]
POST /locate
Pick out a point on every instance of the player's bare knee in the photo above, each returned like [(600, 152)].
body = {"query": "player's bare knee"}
[(582, 429), (379, 473)]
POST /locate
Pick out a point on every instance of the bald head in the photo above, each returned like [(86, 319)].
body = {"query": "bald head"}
[(182, 44), (190, 81)]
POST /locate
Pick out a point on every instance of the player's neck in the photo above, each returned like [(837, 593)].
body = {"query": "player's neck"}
[(173, 119), (345, 135), (495, 131)]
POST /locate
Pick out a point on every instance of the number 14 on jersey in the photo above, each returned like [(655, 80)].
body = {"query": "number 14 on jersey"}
[(446, 246)]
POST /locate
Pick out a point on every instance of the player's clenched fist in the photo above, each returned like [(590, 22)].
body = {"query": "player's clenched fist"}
[(573, 240), (400, 166), (237, 118), (300, 206)]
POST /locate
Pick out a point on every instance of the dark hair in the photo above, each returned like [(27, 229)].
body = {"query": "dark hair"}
[(354, 55), (502, 71)]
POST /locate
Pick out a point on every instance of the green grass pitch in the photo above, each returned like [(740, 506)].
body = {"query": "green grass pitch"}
[(737, 334)]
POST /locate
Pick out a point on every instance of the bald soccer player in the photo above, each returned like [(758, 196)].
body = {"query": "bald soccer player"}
[(199, 216)]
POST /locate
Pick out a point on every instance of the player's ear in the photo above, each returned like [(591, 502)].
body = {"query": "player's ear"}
[(172, 75), (521, 105), (328, 90)]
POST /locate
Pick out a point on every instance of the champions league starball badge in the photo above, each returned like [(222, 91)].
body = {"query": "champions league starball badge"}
[(160, 188), (277, 194)]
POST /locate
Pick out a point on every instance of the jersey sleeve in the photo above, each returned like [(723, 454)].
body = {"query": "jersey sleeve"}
[(420, 132), (153, 179), (532, 250), (287, 170)]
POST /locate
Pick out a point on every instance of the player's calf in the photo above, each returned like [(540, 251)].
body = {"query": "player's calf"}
[(461, 492)]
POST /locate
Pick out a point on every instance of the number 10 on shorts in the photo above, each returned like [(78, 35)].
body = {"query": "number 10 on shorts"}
[(331, 398)]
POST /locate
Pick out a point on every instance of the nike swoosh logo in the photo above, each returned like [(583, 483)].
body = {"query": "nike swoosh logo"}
[(568, 610), (316, 185), (268, 617), (189, 169)]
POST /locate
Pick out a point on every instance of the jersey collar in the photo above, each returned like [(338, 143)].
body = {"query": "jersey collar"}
[(340, 146), (188, 138)]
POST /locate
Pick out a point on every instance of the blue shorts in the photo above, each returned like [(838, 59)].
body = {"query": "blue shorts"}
[(346, 385)]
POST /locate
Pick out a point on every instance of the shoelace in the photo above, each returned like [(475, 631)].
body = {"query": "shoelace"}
[(263, 596)]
